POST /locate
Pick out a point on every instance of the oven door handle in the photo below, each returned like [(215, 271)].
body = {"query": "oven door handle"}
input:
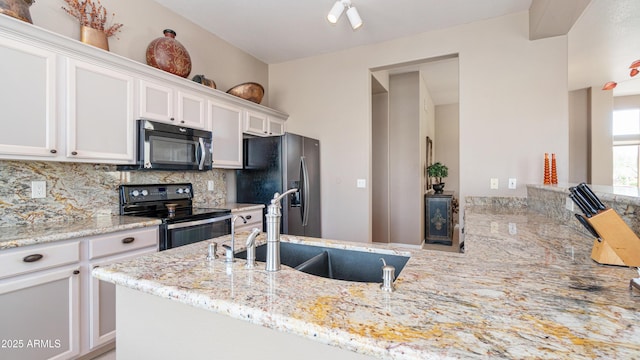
[(198, 222)]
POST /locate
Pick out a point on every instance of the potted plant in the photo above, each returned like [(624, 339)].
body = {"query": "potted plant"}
[(93, 22), (438, 171)]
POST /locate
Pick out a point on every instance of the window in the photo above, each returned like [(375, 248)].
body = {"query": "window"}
[(626, 147)]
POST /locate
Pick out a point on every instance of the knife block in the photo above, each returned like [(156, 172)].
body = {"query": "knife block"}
[(619, 245)]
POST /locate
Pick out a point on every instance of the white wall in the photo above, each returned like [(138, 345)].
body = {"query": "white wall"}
[(144, 21), (601, 137), (447, 144), (513, 109), (405, 167), (579, 136)]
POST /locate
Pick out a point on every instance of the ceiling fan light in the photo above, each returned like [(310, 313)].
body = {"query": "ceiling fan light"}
[(335, 12), (610, 85), (635, 64), (354, 18), (634, 72)]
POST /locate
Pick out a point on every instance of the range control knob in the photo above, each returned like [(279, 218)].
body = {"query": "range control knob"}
[(186, 190), (144, 193), (179, 191), (135, 193)]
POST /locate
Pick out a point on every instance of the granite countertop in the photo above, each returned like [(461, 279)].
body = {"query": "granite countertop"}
[(525, 288), (24, 235)]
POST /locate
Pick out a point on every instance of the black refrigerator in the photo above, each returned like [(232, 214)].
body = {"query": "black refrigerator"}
[(276, 164)]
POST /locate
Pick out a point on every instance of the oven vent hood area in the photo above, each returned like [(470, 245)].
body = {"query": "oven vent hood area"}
[(168, 147)]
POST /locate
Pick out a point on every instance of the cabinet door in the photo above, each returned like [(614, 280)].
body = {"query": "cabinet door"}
[(100, 124), (102, 302), (40, 315), (155, 101), (255, 123), (226, 125), (276, 127), (27, 100), (191, 109)]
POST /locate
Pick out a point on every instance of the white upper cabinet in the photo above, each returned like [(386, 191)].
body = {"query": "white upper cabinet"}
[(261, 124), (226, 125), (27, 100), (99, 117), (162, 101), (62, 100), (275, 126)]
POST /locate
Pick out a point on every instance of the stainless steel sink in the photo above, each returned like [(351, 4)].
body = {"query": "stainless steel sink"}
[(332, 263)]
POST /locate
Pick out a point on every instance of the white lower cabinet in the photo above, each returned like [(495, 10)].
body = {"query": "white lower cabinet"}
[(253, 217), (40, 308), (104, 250), (50, 305)]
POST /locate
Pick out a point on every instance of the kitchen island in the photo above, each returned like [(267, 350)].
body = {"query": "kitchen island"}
[(525, 288)]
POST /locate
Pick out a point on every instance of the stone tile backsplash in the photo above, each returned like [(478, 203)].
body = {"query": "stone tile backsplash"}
[(78, 190)]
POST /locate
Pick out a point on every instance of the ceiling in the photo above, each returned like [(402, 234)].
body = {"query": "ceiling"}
[(602, 43), (282, 30)]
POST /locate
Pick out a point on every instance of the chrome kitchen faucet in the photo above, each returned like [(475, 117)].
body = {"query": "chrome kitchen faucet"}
[(229, 252), (273, 231)]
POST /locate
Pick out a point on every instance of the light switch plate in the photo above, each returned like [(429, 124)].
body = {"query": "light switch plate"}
[(512, 183), (494, 183), (361, 183)]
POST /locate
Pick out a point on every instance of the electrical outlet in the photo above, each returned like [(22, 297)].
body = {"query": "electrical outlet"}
[(38, 189), (512, 183), (494, 183), (210, 185)]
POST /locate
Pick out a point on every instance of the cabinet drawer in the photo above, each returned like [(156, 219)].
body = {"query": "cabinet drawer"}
[(38, 257), (119, 242), (254, 219)]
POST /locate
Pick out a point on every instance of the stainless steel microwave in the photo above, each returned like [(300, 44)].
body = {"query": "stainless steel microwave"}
[(169, 147)]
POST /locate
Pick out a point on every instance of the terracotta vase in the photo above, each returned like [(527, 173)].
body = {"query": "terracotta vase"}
[(18, 9), (94, 37), (167, 54)]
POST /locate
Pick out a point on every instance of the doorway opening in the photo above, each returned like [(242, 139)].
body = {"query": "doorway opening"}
[(412, 104)]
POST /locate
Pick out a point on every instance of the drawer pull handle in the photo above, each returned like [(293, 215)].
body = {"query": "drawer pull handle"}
[(128, 240), (248, 217), (32, 258), (76, 272)]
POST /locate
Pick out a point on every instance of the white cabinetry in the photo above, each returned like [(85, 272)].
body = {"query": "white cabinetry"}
[(254, 219), (99, 114), (226, 125), (62, 100), (28, 100), (165, 102), (40, 302), (261, 124), (50, 305), (79, 112), (104, 250)]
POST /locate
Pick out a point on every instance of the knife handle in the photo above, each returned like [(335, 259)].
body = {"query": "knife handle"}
[(599, 204), (587, 226), (582, 207), (590, 206)]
